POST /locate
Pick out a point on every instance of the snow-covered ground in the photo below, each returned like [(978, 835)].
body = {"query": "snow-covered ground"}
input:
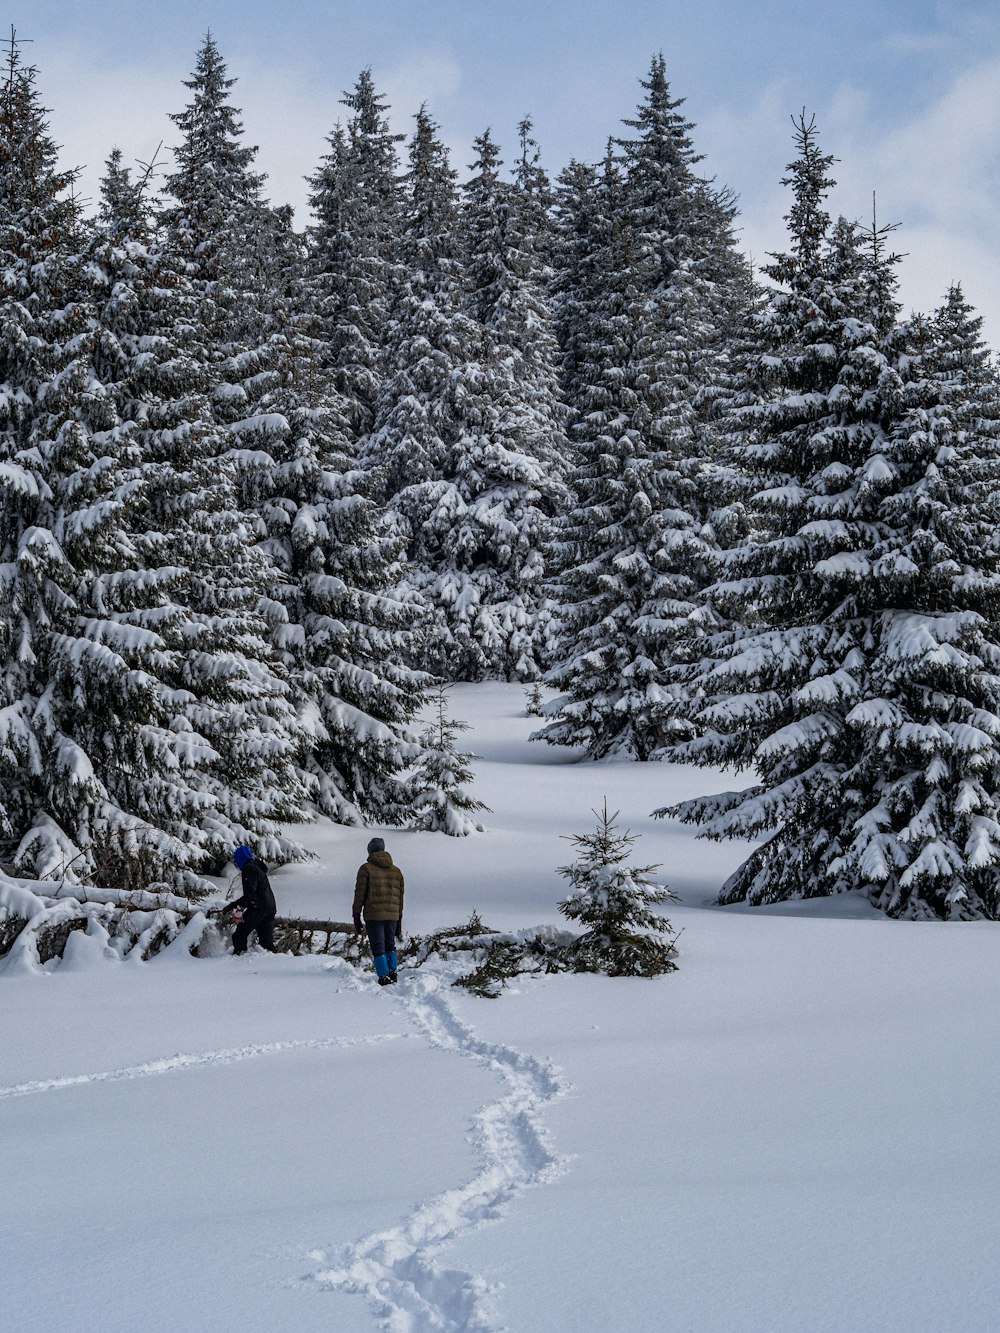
[(794, 1133)]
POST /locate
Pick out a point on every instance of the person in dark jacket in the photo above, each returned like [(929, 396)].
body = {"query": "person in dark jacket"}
[(257, 904), (378, 893)]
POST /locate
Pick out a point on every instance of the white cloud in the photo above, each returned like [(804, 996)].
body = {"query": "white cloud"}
[(428, 75), (942, 163), (290, 121), (934, 172), (95, 108)]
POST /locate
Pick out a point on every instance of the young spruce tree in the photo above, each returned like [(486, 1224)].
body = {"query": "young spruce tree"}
[(438, 800), (625, 936)]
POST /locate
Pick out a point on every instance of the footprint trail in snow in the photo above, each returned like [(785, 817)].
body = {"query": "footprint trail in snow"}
[(396, 1269), (170, 1064)]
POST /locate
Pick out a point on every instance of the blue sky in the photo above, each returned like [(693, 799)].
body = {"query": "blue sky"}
[(906, 95)]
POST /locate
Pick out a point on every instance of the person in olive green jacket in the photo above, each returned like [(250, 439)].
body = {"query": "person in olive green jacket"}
[(378, 893)]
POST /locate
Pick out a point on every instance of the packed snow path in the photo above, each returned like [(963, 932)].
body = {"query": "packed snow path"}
[(396, 1269)]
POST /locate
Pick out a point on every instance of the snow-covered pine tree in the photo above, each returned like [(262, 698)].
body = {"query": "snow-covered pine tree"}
[(60, 505), (329, 560), (523, 468), (644, 352), (353, 260), (964, 365), (241, 259), (929, 842), (533, 207), (534, 702), (686, 277), (688, 289), (806, 330), (215, 217), (233, 245), (577, 243), (966, 377), (438, 800), (524, 319), (342, 628), (219, 764), (91, 732), (866, 692), (437, 444), (604, 556), (605, 541), (534, 198), (616, 901)]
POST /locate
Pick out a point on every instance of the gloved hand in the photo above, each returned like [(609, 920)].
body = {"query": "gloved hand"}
[(399, 930), (358, 927)]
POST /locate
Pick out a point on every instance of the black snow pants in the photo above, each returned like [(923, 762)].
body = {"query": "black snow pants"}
[(262, 923)]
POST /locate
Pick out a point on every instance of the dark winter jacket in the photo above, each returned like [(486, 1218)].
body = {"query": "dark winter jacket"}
[(258, 900), (379, 889)]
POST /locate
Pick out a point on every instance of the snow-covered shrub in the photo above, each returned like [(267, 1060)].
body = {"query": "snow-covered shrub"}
[(113, 925), (502, 961)]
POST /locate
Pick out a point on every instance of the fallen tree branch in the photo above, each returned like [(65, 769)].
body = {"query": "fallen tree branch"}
[(35, 930)]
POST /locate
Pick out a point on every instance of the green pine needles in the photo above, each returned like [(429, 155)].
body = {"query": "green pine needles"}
[(616, 901)]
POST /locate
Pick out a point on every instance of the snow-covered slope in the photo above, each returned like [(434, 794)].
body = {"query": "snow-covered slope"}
[(795, 1131)]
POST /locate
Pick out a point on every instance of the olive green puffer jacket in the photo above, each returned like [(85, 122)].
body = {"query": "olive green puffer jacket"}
[(379, 889)]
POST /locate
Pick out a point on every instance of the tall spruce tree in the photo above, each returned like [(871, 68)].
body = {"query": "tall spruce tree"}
[(666, 282), (447, 471), (341, 626), (326, 561), (93, 732), (233, 244), (222, 755), (866, 692), (58, 679), (534, 198), (507, 281), (578, 225), (215, 216), (356, 196), (235, 251), (604, 548)]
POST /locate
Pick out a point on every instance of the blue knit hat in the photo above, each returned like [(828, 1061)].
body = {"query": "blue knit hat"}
[(241, 856), (376, 845)]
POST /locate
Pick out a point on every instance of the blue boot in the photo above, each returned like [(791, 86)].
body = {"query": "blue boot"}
[(390, 958), (382, 968)]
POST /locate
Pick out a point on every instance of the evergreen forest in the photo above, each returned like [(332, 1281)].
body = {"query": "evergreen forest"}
[(268, 488)]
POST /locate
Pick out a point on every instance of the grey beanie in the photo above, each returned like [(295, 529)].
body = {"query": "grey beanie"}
[(376, 845)]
